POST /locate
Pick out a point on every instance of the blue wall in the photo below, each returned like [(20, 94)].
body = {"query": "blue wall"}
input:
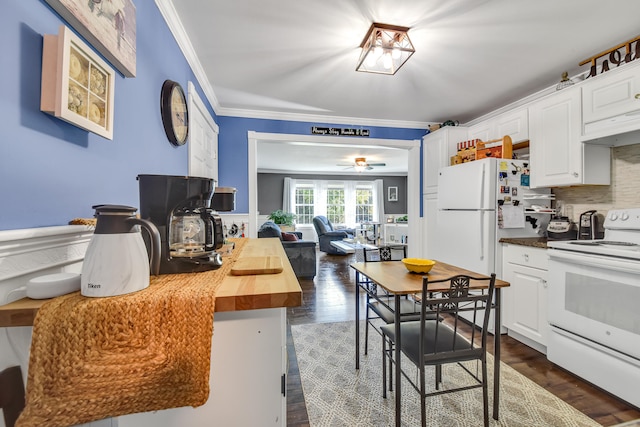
[(52, 172), (233, 147)]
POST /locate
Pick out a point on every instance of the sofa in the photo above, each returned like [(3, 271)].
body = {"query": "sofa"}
[(301, 253), (327, 234)]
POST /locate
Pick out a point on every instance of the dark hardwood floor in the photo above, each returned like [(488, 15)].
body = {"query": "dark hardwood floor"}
[(329, 297)]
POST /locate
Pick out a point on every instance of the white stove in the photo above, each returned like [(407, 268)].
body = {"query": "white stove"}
[(593, 294), (621, 237)]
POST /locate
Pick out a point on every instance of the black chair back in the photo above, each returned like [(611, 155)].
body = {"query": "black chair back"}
[(439, 344)]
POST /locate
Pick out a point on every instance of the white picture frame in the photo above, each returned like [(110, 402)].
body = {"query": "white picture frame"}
[(392, 194), (77, 85)]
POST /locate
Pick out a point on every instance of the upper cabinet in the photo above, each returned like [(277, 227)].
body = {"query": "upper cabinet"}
[(483, 131), (558, 157), (513, 123), (437, 149), (611, 103)]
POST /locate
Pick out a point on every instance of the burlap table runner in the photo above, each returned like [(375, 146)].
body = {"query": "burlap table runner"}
[(93, 358)]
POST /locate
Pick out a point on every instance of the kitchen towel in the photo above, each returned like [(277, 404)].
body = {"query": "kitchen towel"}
[(94, 358), (512, 216)]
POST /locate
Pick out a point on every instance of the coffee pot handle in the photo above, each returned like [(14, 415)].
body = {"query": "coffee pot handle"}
[(155, 242)]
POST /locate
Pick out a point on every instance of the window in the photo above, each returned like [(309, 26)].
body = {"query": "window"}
[(347, 203), (304, 203), (364, 204), (335, 204)]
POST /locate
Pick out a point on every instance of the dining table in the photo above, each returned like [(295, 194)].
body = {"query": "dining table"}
[(396, 280)]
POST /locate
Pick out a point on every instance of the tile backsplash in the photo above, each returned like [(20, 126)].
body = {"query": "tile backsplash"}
[(624, 191)]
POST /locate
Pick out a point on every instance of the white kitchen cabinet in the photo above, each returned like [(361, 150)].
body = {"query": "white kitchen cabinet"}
[(395, 234), (611, 103), (483, 131), (513, 123), (430, 226), (525, 301), (248, 358), (558, 157), (437, 148)]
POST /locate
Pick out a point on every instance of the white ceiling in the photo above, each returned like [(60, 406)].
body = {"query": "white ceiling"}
[(297, 58)]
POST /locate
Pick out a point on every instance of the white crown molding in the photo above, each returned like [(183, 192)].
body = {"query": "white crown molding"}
[(177, 29), (170, 16), (318, 118), (363, 175)]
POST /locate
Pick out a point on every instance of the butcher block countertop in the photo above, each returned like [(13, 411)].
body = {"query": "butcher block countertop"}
[(244, 292), (535, 242)]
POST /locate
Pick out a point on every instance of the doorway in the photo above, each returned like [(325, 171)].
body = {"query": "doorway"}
[(413, 174)]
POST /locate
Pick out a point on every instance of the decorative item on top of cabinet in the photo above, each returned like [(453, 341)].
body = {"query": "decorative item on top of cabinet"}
[(77, 86), (615, 56)]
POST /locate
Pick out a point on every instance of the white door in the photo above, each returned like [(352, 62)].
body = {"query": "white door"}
[(203, 138)]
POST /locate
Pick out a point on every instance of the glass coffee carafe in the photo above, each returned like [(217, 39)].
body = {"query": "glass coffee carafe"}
[(188, 234)]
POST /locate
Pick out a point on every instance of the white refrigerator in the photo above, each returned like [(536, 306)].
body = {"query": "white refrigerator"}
[(481, 202)]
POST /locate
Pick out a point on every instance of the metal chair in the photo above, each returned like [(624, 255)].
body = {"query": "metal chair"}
[(428, 342), (381, 306)]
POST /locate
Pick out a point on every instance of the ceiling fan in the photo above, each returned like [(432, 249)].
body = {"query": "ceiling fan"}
[(361, 164)]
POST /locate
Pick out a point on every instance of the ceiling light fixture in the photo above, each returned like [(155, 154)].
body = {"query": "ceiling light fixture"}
[(385, 49)]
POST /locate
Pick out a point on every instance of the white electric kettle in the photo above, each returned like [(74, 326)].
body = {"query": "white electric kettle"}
[(116, 261)]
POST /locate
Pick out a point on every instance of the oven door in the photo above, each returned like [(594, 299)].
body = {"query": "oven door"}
[(597, 298)]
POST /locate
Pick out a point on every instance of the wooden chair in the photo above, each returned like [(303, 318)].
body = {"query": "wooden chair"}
[(11, 394), (428, 342)]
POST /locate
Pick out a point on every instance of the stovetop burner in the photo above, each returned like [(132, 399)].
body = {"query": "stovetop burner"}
[(621, 237)]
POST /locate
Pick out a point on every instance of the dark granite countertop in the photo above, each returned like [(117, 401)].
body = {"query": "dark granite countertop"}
[(536, 242)]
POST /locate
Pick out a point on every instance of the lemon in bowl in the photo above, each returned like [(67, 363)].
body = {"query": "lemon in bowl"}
[(418, 265)]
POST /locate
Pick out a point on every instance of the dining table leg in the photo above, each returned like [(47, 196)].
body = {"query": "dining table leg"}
[(398, 352), (496, 355), (357, 319)]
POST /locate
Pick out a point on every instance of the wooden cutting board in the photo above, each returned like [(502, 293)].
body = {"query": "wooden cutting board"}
[(257, 265)]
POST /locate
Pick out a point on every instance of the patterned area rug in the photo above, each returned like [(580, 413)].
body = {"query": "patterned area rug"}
[(338, 395)]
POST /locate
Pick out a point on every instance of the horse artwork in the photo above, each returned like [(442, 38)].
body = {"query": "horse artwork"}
[(108, 25)]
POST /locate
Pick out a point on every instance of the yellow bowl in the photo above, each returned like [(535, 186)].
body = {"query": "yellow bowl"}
[(418, 265)]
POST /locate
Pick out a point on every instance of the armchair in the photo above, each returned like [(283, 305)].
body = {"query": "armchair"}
[(301, 253), (327, 234)]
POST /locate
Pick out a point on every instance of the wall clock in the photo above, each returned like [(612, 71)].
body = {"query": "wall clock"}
[(174, 111)]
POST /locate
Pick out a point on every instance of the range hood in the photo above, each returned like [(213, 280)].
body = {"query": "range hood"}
[(614, 131)]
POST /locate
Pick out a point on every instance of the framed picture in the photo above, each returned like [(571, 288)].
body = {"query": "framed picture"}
[(109, 26), (77, 85), (392, 194)]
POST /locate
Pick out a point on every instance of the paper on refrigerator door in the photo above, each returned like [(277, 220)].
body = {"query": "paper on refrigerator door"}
[(512, 216)]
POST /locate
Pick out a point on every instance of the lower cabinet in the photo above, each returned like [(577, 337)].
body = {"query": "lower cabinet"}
[(525, 301), (248, 364)]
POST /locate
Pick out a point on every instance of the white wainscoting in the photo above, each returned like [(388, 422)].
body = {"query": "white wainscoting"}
[(29, 253)]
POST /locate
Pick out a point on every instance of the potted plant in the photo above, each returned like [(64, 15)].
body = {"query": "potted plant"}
[(283, 219)]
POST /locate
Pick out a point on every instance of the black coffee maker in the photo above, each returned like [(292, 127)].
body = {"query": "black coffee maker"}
[(190, 231)]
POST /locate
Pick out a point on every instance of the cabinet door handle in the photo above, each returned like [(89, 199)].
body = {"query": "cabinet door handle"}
[(637, 95), (526, 257), (575, 174), (544, 283)]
